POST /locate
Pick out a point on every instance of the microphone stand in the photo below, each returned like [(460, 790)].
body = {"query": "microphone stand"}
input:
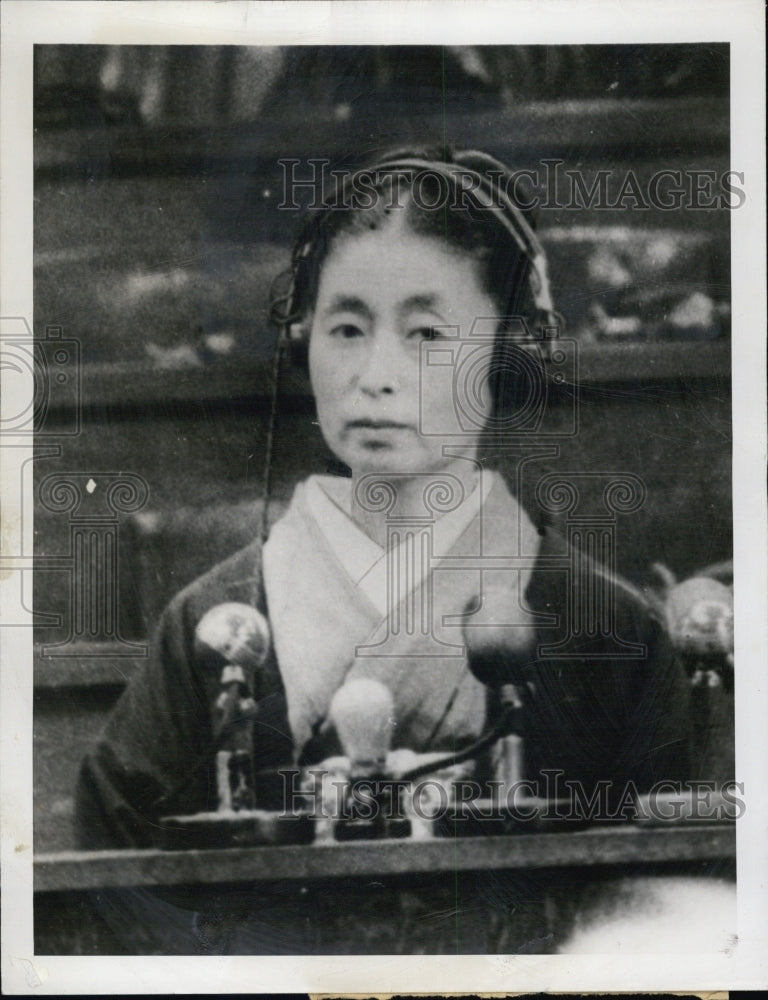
[(500, 671)]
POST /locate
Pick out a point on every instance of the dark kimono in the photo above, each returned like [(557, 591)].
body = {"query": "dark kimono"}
[(609, 703)]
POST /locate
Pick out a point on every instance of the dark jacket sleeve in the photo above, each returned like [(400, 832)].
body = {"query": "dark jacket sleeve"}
[(156, 755), (607, 707), (657, 742), (153, 739)]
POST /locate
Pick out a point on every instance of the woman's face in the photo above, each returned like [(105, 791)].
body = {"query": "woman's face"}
[(381, 295)]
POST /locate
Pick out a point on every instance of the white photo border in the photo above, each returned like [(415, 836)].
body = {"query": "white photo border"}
[(738, 22)]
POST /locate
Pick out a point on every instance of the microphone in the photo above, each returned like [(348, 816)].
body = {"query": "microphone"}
[(238, 632), (363, 713), (498, 654), (240, 635)]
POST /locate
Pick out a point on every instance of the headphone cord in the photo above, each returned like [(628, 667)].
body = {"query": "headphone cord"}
[(270, 438)]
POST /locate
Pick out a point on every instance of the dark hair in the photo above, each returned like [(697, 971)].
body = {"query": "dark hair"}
[(434, 206)]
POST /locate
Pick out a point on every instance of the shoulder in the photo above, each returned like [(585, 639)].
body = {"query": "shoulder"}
[(237, 578), (562, 571)]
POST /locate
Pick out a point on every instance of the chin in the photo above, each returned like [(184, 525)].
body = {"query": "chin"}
[(384, 463)]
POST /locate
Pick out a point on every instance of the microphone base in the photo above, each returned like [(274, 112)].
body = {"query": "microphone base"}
[(371, 829), (246, 828), (486, 817)]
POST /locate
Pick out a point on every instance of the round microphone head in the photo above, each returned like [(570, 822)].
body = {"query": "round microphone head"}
[(700, 617), (238, 632), (363, 713), (497, 651)]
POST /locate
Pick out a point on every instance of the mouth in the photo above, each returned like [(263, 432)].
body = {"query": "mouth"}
[(365, 423)]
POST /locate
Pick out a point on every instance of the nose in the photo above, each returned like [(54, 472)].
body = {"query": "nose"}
[(384, 366)]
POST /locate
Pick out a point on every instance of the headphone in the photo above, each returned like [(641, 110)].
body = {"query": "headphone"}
[(469, 177), (479, 182)]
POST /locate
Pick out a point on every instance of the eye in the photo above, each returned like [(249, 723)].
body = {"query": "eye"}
[(346, 331), (425, 333)]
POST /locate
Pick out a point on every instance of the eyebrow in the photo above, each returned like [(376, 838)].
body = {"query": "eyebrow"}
[(347, 303), (424, 301), (354, 304)]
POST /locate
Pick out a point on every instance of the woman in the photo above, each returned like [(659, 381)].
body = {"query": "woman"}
[(373, 576)]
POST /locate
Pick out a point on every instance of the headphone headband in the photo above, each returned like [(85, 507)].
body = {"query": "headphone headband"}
[(473, 186)]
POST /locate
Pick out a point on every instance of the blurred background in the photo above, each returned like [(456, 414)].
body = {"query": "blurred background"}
[(158, 236), (157, 227)]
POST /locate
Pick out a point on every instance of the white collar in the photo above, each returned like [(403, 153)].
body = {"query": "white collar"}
[(329, 501)]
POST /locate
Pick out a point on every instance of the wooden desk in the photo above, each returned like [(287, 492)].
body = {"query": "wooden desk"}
[(617, 845), (472, 895)]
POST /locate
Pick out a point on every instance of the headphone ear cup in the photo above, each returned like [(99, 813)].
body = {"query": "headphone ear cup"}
[(298, 352)]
